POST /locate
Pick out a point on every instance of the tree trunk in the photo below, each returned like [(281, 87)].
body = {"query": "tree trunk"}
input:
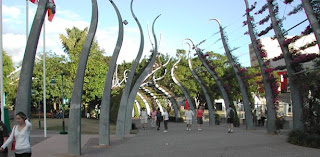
[(74, 137), (243, 90), (294, 86), (104, 123), (271, 115), (125, 95), (312, 19)]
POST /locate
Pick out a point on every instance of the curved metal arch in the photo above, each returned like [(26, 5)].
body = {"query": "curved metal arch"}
[(104, 123), (204, 90), (242, 87), (137, 84), (74, 137), (184, 91), (120, 127), (213, 74)]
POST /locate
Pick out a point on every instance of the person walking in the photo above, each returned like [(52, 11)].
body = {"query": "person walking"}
[(230, 118), (3, 137), (263, 118), (159, 118), (153, 118), (144, 118), (165, 120), (20, 136), (189, 116), (199, 117)]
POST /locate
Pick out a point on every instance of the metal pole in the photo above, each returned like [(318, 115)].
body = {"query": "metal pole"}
[(1, 66), (63, 104), (44, 82), (39, 110)]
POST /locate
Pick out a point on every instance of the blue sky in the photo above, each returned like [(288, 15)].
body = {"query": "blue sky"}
[(179, 19)]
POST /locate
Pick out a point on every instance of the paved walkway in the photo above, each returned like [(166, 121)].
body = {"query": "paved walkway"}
[(211, 141)]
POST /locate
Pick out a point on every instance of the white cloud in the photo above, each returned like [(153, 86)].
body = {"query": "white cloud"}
[(14, 44), (11, 12)]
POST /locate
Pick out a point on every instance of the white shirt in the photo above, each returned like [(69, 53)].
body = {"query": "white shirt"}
[(143, 114), (165, 115), (22, 139), (189, 114)]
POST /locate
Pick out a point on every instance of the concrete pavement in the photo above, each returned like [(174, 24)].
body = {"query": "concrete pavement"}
[(211, 141)]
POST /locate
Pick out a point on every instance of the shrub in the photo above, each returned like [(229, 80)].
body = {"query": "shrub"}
[(302, 138)]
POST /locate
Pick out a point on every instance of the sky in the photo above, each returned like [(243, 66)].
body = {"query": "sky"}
[(180, 19)]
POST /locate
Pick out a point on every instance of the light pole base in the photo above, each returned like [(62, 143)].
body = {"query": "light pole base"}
[(39, 124), (63, 128)]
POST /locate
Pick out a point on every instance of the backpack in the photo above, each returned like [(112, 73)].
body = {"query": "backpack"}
[(159, 116), (231, 114)]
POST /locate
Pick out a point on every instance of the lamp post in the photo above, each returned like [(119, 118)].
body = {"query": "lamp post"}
[(53, 82), (39, 108)]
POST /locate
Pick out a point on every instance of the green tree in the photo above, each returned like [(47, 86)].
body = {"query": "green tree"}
[(96, 65), (10, 83)]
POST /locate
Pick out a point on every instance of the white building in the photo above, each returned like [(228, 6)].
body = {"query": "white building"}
[(273, 49)]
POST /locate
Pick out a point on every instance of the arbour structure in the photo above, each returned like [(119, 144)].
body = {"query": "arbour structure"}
[(124, 118)]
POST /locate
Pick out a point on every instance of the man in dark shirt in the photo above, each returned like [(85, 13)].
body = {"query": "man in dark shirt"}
[(3, 137)]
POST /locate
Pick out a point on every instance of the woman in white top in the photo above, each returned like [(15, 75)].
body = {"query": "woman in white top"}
[(144, 118), (21, 133)]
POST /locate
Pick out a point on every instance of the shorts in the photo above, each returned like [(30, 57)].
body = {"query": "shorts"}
[(189, 121), (199, 120), (230, 120), (144, 120)]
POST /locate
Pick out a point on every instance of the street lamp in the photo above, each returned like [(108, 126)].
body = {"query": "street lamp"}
[(39, 107), (53, 82)]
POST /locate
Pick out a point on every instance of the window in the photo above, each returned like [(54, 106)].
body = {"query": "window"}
[(219, 106)]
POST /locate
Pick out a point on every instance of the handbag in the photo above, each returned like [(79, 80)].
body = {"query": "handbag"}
[(13, 145)]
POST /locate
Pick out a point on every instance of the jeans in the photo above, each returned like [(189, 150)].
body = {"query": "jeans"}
[(23, 155), (166, 124), (158, 124)]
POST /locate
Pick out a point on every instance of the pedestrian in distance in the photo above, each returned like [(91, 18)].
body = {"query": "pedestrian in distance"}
[(144, 118), (263, 117), (153, 117), (159, 118), (20, 136), (165, 120), (189, 116), (230, 118), (3, 138), (199, 117)]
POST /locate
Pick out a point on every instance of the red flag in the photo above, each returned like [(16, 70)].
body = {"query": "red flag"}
[(34, 1), (187, 105), (52, 11)]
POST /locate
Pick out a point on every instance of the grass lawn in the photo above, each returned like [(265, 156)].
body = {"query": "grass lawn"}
[(88, 126)]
